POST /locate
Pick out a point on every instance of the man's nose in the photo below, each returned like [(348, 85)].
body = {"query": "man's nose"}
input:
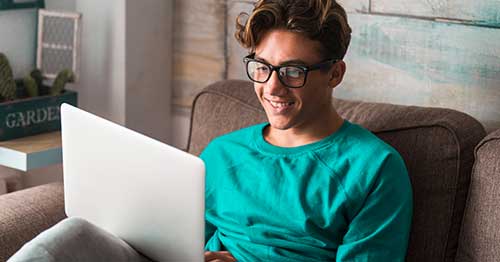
[(274, 85)]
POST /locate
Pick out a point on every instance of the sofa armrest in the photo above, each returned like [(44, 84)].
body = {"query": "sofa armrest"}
[(26, 213)]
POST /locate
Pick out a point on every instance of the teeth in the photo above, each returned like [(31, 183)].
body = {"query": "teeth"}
[(279, 105)]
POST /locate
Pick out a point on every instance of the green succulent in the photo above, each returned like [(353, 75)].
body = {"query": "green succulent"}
[(63, 77), (7, 82), (31, 86), (36, 74)]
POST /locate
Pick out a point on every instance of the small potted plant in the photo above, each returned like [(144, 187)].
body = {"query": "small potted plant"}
[(28, 106)]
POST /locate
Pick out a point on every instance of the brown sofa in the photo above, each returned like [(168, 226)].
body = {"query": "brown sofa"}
[(452, 220)]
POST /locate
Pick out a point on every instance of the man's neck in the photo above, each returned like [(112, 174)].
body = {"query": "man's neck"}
[(306, 133)]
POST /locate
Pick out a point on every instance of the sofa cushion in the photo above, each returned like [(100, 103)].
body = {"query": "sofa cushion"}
[(26, 213), (437, 145), (480, 236)]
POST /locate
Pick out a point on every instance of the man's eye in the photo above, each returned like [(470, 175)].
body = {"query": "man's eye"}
[(293, 72), (262, 68)]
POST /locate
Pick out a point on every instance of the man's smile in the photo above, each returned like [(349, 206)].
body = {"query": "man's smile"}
[(280, 106)]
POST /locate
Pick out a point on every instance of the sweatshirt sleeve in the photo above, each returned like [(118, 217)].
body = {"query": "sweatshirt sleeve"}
[(379, 231)]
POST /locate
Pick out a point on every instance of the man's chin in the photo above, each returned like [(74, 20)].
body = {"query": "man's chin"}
[(279, 125), (280, 122)]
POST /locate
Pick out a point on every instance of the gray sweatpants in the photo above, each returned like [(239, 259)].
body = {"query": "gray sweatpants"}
[(77, 240)]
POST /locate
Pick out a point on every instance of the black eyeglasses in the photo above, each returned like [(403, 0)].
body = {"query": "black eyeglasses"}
[(292, 76)]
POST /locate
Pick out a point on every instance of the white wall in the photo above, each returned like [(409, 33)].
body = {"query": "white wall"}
[(63, 5), (149, 30), (126, 63), (18, 39), (101, 88)]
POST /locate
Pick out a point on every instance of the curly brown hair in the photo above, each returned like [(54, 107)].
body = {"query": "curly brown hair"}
[(320, 20)]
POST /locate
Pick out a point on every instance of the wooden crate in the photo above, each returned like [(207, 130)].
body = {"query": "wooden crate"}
[(30, 116)]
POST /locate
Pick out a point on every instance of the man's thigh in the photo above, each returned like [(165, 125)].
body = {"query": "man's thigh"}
[(75, 239)]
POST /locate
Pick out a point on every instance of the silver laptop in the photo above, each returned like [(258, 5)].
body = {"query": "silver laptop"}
[(143, 191)]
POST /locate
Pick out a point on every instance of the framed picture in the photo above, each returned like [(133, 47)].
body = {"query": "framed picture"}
[(58, 42), (20, 4)]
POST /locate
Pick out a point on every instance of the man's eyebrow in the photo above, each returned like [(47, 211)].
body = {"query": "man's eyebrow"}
[(288, 62)]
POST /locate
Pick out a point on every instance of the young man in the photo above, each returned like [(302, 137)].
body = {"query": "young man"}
[(308, 185)]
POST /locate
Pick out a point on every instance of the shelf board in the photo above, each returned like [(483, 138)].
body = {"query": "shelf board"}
[(32, 152)]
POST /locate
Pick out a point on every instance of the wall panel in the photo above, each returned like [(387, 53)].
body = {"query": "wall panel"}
[(418, 62), (352, 6), (484, 12), (235, 52), (199, 55)]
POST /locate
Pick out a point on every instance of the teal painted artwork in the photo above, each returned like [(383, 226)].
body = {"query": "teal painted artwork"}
[(403, 60), (482, 13), (20, 4)]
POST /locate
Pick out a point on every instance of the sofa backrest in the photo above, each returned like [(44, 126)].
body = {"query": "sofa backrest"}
[(480, 235), (436, 144)]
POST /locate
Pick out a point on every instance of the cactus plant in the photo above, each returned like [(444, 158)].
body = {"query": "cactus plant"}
[(63, 77), (31, 86), (7, 83), (36, 74)]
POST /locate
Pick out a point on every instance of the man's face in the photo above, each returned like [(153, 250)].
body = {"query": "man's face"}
[(297, 108)]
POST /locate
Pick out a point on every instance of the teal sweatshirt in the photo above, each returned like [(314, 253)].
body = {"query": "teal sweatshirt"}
[(346, 197)]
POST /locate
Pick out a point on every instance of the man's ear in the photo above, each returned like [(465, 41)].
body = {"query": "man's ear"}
[(336, 74)]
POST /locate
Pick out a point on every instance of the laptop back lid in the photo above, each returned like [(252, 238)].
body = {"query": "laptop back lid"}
[(145, 192)]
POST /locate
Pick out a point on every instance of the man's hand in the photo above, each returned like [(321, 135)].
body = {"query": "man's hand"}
[(220, 256)]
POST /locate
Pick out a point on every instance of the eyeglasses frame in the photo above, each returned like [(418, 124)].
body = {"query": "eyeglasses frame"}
[(250, 58)]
